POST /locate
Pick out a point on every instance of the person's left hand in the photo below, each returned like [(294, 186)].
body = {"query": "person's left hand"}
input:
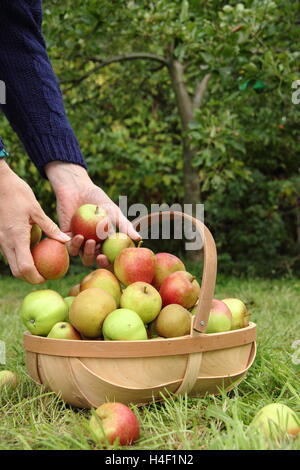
[(73, 188)]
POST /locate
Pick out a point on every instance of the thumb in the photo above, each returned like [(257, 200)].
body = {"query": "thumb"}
[(50, 228)]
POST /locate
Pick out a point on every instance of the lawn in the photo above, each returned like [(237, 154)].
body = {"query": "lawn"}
[(34, 418)]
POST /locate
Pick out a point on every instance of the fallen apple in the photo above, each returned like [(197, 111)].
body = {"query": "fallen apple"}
[(143, 299), (74, 291), (173, 320), (180, 288), (114, 244), (114, 422), (89, 309), (165, 264), (35, 235), (8, 379), (51, 258), (135, 264), (41, 309), (220, 318), (276, 420), (240, 315), (63, 330), (85, 220), (124, 325), (105, 280)]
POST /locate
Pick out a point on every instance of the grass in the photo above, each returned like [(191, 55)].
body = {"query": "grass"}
[(34, 418)]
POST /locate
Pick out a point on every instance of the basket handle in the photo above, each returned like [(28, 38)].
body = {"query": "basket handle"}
[(209, 267)]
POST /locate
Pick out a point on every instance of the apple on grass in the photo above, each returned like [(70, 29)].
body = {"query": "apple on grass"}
[(180, 288), (8, 379), (220, 318), (105, 280), (135, 264), (51, 258), (114, 244), (165, 264), (124, 325), (113, 422), (276, 420), (85, 220), (173, 321), (143, 299), (41, 309), (240, 314), (63, 330)]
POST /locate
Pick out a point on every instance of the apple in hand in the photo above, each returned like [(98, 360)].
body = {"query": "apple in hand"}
[(35, 235), (63, 330), (41, 309), (123, 325), (8, 379), (143, 299), (85, 220), (220, 317), (240, 315), (180, 288), (276, 420), (114, 244), (114, 421), (135, 264), (165, 264), (89, 309), (51, 258), (173, 320), (74, 291), (105, 280)]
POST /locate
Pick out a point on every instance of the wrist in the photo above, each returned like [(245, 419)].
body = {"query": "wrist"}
[(62, 175)]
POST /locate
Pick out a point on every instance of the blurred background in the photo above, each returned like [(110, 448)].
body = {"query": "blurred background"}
[(186, 101)]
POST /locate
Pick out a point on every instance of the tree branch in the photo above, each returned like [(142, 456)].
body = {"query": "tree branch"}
[(183, 99), (200, 90)]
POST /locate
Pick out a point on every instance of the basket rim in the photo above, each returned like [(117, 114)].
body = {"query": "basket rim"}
[(140, 348)]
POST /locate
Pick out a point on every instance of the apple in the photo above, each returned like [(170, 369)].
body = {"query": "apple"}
[(85, 220), (194, 309), (114, 244), (240, 315), (69, 301), (63, 330), (35, 235), (143, 299), (41, 309), (165, 264), (89, 309), (276, 420), (173, 320), (74, 291), (135, 264), (51, 258), (124, 324), (180, 288), (114, 421), (151, 330), (8, 379), (105, 280), (220, 317)]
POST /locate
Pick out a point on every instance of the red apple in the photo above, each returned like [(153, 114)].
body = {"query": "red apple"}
[(220, 317), (63, 330), (105, 280), (180, 288), (85, 220), (114, 421), (135, 264), (166, 264), (51, 258)]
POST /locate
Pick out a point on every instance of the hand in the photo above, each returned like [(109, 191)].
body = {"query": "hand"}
[(19, 209), (73, 188)]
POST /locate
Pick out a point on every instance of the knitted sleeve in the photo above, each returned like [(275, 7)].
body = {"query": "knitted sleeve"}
[(34, 104)]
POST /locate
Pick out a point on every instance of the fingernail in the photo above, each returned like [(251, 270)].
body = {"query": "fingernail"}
[(64, 237)]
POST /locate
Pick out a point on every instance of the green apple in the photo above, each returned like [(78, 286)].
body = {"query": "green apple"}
[(35, 235), (8, 379), (69, 300), (114, 244), (103, 279), (63, 330), (276, 420), (240, 315), (143, 299), (41, 309), (124, 324)]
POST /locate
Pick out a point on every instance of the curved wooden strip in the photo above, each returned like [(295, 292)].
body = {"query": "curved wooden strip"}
[(32, 366)]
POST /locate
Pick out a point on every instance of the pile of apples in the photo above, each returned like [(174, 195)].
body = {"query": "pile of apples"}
[(144, 296)]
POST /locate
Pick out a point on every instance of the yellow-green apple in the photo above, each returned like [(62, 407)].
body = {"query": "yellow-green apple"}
[(35, 235), (85, 220), (240, 314), (173, 320), (63, 330), (105, 280), (180, 288), (8, 379), (69, 301), (114, 422), (165, 264), (74, 291), (143, 299), (114, 244), (277, 420), (220, 317), (123, 325), (41, 309), (89, 309), (135, 264), (51, 258)]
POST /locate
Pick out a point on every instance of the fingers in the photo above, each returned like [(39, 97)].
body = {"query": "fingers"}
[(88, 253), (74, 246), (102, 262), (49, 227), (105, 228), (21, 263)]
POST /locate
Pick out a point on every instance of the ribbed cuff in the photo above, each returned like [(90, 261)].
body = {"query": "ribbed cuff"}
[(46, 148)]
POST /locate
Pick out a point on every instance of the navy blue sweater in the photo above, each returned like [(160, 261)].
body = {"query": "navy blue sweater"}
[(34, 105)]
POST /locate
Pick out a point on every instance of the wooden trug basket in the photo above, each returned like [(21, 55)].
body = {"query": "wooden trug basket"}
[(88, 373)]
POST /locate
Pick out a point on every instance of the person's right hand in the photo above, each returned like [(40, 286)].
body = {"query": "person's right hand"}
[(19, 209)]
